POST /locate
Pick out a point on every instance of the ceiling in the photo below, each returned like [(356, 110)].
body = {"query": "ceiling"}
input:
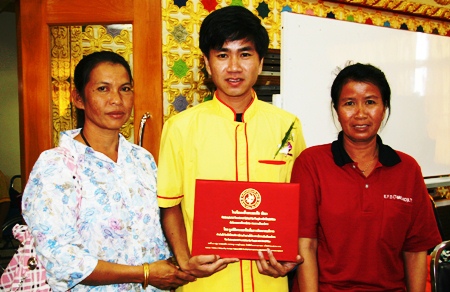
[(8, 5)]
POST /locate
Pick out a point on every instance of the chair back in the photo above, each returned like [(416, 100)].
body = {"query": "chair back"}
[(14, 194), (440, 267), (438, 219)]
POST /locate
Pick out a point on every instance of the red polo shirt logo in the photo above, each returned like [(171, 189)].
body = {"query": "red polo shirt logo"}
[(397, 197)]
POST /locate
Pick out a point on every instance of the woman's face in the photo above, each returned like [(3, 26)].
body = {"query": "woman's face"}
[(109, 97), (360, 111)]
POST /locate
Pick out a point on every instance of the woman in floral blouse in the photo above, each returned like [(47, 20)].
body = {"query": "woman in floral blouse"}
[(91, 202)]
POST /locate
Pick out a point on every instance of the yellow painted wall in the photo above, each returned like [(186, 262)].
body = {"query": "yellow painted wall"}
[(9, 100)]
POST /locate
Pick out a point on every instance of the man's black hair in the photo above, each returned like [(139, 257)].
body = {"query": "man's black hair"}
[(232, 23)]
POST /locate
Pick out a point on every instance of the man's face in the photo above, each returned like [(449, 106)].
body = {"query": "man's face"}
[(234, 69)]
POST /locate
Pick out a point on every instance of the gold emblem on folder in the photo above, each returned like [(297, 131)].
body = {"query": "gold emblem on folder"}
[(250, 199)]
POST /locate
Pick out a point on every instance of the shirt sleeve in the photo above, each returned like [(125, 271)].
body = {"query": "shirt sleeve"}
[(170, 167), (423, 232), (50, 208), (304, 173), (298, 135)]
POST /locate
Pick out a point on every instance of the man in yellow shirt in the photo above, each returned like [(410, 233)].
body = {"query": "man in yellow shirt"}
[(233, 137)]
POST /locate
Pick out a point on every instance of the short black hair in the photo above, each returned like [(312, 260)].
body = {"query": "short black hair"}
[(88, 63), (83, 72), (233, 23), (366, 73)]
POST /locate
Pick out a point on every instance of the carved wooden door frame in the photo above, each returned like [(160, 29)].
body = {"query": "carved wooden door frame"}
[(34, 19)]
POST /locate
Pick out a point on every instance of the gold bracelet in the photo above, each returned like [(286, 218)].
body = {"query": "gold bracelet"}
[(146, 274)]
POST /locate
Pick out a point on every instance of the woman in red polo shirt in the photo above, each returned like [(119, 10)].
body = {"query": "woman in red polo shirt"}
[(366, 221)]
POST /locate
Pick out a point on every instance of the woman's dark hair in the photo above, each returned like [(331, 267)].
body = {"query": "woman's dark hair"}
[(83, 72), (232, 23), (361, 73)]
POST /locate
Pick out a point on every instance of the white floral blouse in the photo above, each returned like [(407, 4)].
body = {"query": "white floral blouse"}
[(82, 207)]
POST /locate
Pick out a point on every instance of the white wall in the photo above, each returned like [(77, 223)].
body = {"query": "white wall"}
[(417, 66), (9, 100)]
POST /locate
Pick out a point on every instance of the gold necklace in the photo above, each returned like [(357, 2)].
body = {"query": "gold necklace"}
[(363, 171), (368, 164)]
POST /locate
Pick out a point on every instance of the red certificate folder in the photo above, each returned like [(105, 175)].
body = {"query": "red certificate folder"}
[(237, 219)]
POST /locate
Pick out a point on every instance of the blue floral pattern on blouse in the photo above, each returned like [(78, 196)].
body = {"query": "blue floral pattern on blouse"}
[(82, 207)]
